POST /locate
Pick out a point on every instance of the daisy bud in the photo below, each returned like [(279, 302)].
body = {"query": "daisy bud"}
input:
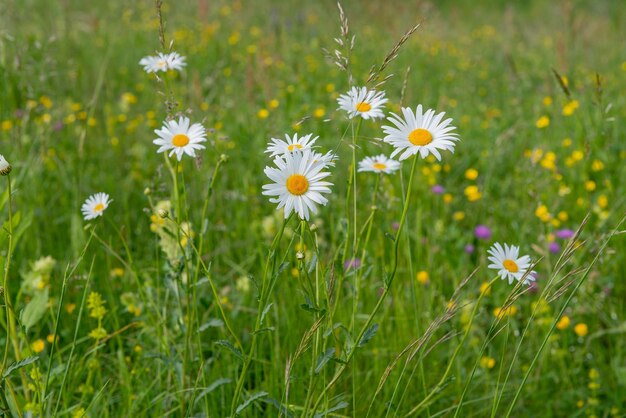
[(147, 191), (300, 255), (5, 167), (223, 158), (163, 213)]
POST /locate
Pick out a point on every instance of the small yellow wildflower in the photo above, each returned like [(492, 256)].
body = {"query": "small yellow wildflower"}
[(563, 322), (423, 277), (603, 201), (485, 288), (117, 272), (263, 113), (547, 101), (567, 142), (542, 213), (38, 346), (597, 165), (471, 174), (500, 312), (458, 216), (319, 112), (487, 362), (45, 102), (570, 108), (590, 185), (577, 155), (542, 122), (581, 329)]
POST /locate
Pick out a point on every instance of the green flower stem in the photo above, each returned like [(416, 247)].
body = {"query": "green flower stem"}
[(264, 297), (386, 290)]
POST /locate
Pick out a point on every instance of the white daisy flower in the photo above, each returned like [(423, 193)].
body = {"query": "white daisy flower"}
[(329, 158), (298, 184), (180, 138), (163, 62), (175, 61), (509, 264), (379, 164), (5, 167), (95, 205), (152, 64), (420, 132), (280, 147), (361, 101)]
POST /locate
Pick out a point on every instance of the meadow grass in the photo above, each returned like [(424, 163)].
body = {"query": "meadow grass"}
[(192, 296)]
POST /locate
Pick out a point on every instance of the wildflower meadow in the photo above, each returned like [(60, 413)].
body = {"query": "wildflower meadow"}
[(312, 209)]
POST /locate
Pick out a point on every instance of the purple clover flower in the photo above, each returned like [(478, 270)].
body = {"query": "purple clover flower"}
[(482, 232), (554, 247), (437, 189), (564, 233)]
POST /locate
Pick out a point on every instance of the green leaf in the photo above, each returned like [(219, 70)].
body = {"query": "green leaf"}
[(212, 323), (262, 330), (333, 328), (18, 365), (283, 409), (212, 387), (227, 344), (249, 401), (265, 311), (323, 359), (340, 405), (35, 310), (369, 334)]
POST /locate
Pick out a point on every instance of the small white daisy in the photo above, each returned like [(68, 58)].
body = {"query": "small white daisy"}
[(379, 164), (152, 64), (280, 147), (297, 183), (361, 101), (5, 167), (509, 264), (175, 61), (95, 205), (163, 62), (422, 132), (180, 138)]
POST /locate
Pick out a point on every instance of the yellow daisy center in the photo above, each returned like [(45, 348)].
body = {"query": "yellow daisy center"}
[(180, 140), (161, 64), (98, 208), (510, 265), (297, 184), (420, 137), (363, 107), (379, 166), (294, 146)]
